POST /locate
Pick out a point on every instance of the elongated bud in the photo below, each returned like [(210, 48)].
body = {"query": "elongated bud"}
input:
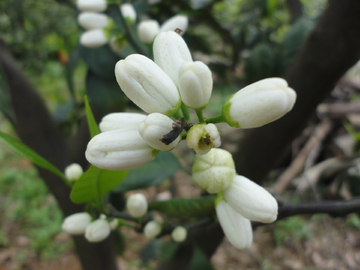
[(147, 85), (91, 5), (121, 120), (137, 205), (179, 21), (154, 127), (120, 149), (93, 38), (92, 20), (128, 12), (147, 31), (214, 171), (152, 229), (259, 103), (203, 137), (170, 51), (195, 84), (251, 200), (73, 172), (76, 224), (179, 234), (97, 230), (236, 228)]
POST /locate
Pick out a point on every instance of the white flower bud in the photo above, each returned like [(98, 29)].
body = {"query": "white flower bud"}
[(147, 30), (128, 12), (203, 137), (97, 230), (120, 149), (236, 228), (251, 200), (170, 51), (152, 229), (93, 38), (137, 205), (179, 21), (147, 85), (121, 120), (154, 127), (179, 234), (259, 103), (114, 223), (91, 5), (195, 84), (92, 20), (76, 224), (214, 171), (73, 172)]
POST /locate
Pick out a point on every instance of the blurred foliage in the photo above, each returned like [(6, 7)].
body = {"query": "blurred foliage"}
[(292, 228), (26, 202)]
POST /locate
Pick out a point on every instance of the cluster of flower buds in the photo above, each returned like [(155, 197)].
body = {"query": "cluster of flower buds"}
[(94, 231), (239, 199), (159, 88), (98, 26)]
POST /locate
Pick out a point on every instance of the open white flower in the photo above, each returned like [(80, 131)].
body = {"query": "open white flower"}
[(236, 227), (154, 127), (76, 224), (97, 230), (214, 171), (251, 200), (259, 103), (121, 120), (170, 51), (147, 85), (120, 149), (203, 137)]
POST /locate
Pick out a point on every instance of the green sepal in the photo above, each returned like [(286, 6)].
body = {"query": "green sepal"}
[(226, 114)]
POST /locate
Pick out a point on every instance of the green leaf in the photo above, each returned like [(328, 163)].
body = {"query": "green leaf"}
[(30, 154), (95, 183), (93, 127), (152, 173), (185, 208), (200, 261)]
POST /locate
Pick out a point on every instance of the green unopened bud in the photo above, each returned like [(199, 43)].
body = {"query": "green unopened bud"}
[(214, 171)]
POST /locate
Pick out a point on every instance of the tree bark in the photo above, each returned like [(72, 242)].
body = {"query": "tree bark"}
[(37, 129), (330, 50)]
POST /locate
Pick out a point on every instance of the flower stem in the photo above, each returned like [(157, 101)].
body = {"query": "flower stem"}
[(217, 119), (177, 115), (200, 116), (185, 111)]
